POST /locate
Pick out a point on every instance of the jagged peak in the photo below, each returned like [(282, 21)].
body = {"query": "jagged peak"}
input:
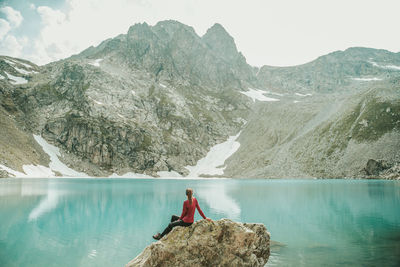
[(218, 39), (170, 27), (217, 28)]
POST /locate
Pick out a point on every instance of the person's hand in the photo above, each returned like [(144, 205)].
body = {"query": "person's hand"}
[(209, 219)]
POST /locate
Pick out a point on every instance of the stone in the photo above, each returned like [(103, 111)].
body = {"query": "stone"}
[(374, 167), (217, 243)]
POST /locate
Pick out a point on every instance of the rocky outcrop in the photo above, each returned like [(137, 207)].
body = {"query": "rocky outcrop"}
[(217, 243), (374, 167), (382, 169)]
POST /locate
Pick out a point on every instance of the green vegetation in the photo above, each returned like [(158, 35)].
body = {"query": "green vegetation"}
[(381, 117)]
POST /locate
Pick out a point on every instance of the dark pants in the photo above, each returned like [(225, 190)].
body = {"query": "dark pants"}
[(174, 222)]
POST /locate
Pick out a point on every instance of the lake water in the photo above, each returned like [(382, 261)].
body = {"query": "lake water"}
[(107, 222)]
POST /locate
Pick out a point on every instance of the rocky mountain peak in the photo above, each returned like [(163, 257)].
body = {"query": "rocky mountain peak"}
[(168, 28), (219, 40)]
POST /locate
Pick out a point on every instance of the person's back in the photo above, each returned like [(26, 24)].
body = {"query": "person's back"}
[(189, 209)]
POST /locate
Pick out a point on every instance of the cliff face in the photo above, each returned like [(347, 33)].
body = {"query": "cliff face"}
[(217, 243)]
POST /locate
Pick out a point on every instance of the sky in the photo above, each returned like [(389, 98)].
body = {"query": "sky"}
[(267, 32)]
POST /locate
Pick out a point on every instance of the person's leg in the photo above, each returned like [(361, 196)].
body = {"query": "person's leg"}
[(174, 218), (172, 225)]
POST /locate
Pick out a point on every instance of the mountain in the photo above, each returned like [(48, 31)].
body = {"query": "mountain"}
[(140, 102), (158, 98), (337, 71)]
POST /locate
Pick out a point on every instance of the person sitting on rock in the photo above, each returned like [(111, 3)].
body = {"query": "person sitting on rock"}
[(187, 216)]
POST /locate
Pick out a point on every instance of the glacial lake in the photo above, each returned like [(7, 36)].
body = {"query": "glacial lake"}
[(107, 222)]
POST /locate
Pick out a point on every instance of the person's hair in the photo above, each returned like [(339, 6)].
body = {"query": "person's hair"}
[(189, 193)]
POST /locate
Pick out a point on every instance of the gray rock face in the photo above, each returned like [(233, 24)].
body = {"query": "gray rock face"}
[(374, 167), (217, 243)]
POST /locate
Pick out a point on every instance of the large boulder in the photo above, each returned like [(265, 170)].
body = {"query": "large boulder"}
[(217, 243)]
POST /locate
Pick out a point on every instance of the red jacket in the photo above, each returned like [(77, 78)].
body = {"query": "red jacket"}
[(188, 211)]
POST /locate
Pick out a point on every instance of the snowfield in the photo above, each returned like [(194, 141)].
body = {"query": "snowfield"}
[(96, 63), (393, 67), (212, 163), (367, 79), (256, 94), (298, 94), (55, 163), (22, 71), (17, 80)]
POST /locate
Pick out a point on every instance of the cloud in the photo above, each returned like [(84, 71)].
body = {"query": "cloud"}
[(32, 6), (14, 16), (4, 28), (50, 17), (10, 46)]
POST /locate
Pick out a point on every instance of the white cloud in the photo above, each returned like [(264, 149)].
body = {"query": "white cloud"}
[(32, 6), (10, 46), (14, 16), (50, 16), (4, 28)]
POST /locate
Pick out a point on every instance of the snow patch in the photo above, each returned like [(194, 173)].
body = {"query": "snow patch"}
[(96, 63), (215, 158), (295, 101), (298, 94), (24, 64), (38, 171), (169, 174), (133, 92), (9, 62), (24, 71), (119, 115), (2, 77), (367, 79), (273, 93), (17, 80), (258, 95), (11, 171), (393, 67), (163, 86), (55, 163), (30, 171), (97, 102)]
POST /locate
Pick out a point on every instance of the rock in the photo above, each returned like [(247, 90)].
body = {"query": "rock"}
[(217, 243), (4, 174), (374, 167)]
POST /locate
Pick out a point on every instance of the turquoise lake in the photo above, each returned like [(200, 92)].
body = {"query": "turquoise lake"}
[(107, 222)]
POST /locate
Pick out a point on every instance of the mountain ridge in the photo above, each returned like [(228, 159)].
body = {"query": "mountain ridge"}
[(159, 97)]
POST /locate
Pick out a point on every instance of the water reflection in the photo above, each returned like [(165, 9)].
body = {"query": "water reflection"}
[(46, 204), (106, 222), (217, 198)]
